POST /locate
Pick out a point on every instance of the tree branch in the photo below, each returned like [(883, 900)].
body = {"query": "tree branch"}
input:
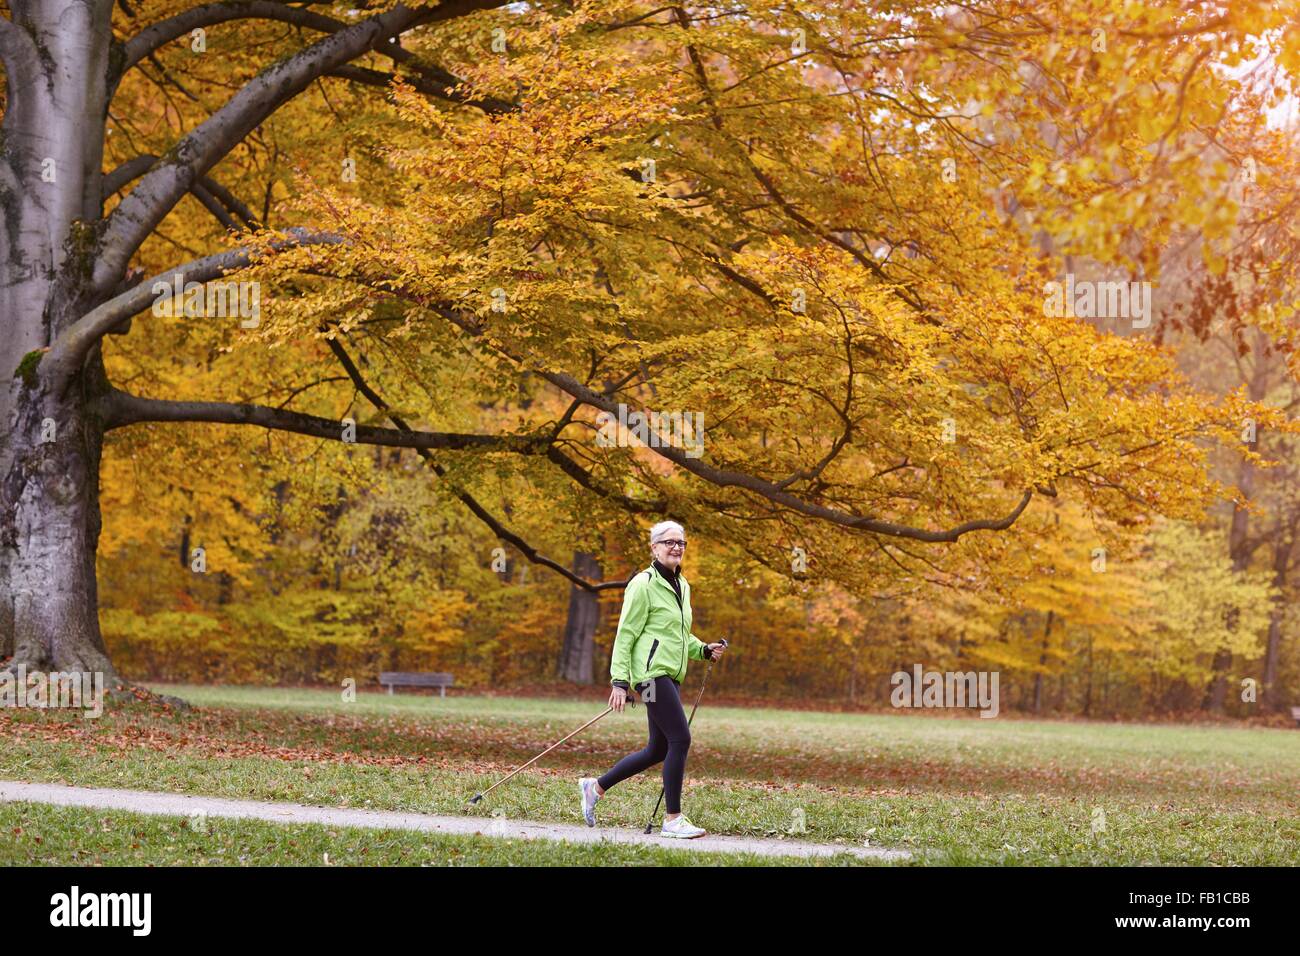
[(431, 80), (428, 80), (721, 477), (137, 166), (157, 35), (132, 169), (219, 212), (201, 149), (121, 408), (726, 478), (500, 530), (584, 478), (75, 342)]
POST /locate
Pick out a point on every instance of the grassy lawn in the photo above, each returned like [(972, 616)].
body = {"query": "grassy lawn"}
[(952, 790), (34, 834)]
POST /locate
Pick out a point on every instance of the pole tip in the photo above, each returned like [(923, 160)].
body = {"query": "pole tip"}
[(476, 798)]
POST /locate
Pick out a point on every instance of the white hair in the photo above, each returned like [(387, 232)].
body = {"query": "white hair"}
[(662, 528)]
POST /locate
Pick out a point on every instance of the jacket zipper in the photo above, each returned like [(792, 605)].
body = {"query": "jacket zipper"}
[(653, 647), (682, 611)]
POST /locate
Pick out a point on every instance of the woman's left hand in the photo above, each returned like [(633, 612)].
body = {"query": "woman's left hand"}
[(715, 651)]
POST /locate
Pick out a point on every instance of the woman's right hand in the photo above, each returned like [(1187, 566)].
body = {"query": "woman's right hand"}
[(617, 698)]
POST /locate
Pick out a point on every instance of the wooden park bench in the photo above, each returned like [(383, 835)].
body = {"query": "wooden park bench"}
[(1295, 715), (393, 679)]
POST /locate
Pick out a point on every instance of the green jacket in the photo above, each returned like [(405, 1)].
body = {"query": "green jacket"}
[(654, 631)]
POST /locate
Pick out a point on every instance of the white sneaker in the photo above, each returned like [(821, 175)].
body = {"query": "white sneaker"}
[(587, 785), (681, 828)]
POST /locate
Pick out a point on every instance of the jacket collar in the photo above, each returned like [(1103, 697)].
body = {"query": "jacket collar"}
[(658, 571), (664, 570)]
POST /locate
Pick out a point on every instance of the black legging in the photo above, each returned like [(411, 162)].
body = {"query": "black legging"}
[(670, 738)]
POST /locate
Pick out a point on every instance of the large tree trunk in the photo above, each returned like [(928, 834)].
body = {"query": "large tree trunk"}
[(580, 628), (1239, 547), (1042, 663), (51, 535), (1283, 546), (1216, 693), (56, 59), (1087, 694)]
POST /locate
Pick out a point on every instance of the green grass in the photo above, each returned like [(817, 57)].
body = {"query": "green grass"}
[(952, 790), (35, 834)]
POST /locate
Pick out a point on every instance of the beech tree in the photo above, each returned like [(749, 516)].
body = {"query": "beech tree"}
[(811, 223)]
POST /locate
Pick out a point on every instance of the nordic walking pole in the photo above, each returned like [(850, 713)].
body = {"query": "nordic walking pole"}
[(650, 824), (479, 796)]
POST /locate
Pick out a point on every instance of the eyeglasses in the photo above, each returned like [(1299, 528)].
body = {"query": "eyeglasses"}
[(675, 545)]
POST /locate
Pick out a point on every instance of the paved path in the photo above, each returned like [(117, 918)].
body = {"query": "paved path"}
[(174, 804)]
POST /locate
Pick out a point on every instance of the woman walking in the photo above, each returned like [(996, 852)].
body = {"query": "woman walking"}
[(653, 643)]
